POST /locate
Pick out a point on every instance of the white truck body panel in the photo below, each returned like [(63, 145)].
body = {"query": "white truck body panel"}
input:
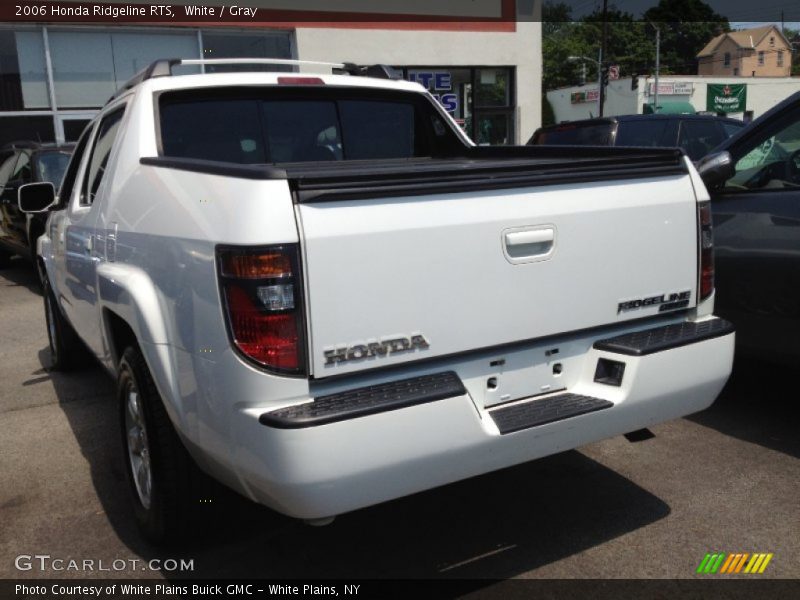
[(437, 265), (452, 281)]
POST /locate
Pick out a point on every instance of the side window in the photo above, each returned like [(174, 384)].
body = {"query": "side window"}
[(98, 159), (698, 136), (641, 133), (770, 161), (22, 170), (68, 183), (730, 128)]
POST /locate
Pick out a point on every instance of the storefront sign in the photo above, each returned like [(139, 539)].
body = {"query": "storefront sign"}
[(439, 84), (584, 96), (726, 97), (671, 88)]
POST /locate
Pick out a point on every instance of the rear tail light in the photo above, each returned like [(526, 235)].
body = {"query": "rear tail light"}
[(260, 290), (706, 247)]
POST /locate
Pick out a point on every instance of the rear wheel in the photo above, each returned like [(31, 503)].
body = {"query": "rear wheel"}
[(66, 350), (5, 258), (160, 472)]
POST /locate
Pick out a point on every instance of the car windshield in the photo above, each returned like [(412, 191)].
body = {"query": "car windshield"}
[(51, 166), (572, 134)]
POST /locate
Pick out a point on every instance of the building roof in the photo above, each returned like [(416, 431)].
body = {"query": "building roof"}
[(744, 38)]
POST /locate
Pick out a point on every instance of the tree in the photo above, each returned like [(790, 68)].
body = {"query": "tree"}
[(793, 35), (627, 41), (682, 39), (560, 41)]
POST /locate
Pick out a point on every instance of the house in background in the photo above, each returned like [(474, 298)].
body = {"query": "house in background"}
[(759, 52)]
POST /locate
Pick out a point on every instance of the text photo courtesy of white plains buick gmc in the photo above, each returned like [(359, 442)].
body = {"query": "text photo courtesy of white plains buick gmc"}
[(317, 290)]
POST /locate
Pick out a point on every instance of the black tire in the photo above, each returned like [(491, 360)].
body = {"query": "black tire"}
[(35, 234), (164, 514), (67, 352), (5, 258)]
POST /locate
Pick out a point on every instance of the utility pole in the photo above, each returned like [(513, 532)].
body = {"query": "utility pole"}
[(658, 65), (602, 96)]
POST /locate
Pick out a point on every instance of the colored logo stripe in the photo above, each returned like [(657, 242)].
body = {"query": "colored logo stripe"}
[(734, 562)]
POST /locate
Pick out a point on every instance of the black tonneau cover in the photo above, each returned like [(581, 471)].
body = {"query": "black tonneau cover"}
[(480, 168)]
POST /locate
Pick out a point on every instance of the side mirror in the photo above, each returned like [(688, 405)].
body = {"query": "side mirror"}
[(716, 169), (36, 197)]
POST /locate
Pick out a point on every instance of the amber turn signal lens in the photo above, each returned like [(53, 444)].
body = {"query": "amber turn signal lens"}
[(256, 266)]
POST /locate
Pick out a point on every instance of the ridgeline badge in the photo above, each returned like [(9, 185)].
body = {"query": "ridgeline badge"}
[(664, 302)]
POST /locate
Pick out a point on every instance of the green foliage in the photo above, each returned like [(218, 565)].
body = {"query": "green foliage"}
[(630, 42), (793, 35), (682, 39), (548, 116)]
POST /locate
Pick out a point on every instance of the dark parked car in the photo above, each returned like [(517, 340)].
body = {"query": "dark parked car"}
[(21, 163), (756, 217), (695, 134)]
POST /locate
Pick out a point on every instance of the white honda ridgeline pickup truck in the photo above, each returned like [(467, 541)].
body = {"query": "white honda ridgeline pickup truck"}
[(317, 289)]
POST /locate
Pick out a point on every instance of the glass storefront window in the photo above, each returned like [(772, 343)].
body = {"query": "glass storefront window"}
[(23, 79), (38, 128), (246, 45), (89, 67), (479, 99), (83, 68), (134, 51), (492, 88)]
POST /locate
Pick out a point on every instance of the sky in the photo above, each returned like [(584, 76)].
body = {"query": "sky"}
[(736, 10)]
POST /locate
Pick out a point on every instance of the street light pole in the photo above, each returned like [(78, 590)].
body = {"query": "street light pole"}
[(658, 64), (599, 72), (602, 57), (600, 95)]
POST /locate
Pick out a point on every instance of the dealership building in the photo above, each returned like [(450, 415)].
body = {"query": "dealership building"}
[(484, 65)]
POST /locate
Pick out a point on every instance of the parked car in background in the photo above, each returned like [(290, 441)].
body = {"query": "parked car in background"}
[(756, 217), (695, 134), (21, 163)]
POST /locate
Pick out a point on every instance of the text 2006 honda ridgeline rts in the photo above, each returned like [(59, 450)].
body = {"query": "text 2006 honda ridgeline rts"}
[(331, 298)]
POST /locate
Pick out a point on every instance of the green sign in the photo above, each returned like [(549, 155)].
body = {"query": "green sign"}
[(726, 97)]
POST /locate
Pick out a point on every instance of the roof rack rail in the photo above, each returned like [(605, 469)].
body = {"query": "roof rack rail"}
[(163, 68)]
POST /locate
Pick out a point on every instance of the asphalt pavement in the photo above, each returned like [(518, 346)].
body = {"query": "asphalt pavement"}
[(724, 480)]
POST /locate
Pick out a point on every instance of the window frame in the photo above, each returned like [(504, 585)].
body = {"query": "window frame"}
[(83, 195)]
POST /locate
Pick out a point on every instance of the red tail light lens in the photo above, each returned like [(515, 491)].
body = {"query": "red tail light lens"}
[(706, 248), (262, 302), (300, 81)]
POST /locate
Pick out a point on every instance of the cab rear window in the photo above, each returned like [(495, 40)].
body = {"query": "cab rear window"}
[(279, 126)]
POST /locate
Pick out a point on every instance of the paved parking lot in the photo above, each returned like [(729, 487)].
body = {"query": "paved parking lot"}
[(727, 479)]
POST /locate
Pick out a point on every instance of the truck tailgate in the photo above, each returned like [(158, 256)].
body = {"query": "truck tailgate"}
[(393, 277)]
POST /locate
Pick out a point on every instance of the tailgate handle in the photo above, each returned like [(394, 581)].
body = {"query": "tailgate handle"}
[(529, 244)]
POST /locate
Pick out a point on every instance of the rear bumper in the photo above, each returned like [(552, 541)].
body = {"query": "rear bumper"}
[(319, 470)]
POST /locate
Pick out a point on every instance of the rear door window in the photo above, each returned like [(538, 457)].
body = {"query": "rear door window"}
[(642, 133), (280, 126)]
